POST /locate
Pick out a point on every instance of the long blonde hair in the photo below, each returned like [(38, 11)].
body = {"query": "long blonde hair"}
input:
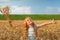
[(27, 27)]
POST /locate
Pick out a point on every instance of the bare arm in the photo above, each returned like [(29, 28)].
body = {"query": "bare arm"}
[(47, 23)]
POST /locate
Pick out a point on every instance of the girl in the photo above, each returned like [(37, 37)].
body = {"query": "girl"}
[(31, 28)]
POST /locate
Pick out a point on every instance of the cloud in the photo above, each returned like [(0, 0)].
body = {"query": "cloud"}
[(58, 9), (49, 9), (10, 0), (20, 10), (5, 0), (54, 10)]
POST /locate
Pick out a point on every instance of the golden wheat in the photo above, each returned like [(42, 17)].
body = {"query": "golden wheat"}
[(48, 32)]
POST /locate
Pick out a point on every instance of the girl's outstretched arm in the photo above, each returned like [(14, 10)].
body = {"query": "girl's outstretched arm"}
[(47, 23)]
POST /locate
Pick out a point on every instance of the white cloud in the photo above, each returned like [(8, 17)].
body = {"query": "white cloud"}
[(52, 10), (5, 0), (58, 9), (20, 10), (49, 9)]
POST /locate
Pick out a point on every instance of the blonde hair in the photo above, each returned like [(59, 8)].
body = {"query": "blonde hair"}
[(27, 27)]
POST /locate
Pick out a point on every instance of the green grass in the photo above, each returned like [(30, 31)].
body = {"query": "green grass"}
[(34, 17)]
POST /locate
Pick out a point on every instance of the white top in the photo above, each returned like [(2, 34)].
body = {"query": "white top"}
[(31, 30)]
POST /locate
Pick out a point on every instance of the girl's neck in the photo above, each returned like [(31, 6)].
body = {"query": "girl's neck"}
[(30, 25)]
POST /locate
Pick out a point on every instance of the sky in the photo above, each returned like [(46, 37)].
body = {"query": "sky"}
[(32, 6)]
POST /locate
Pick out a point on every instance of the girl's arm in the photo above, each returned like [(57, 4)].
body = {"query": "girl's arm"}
[(47, 23)]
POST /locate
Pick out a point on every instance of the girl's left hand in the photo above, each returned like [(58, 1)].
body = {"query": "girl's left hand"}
[(53, 21)]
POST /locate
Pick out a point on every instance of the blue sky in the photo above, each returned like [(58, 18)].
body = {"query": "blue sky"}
[(32, 6)]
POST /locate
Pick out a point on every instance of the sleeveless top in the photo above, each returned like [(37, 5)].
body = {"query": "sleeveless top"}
[(31, 30)]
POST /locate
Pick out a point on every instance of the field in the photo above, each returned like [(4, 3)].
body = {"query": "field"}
[(34, 17), (16, 32)]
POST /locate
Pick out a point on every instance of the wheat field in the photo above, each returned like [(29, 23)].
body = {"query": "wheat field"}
[(16, 32)]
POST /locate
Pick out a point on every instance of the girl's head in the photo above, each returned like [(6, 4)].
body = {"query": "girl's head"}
[(28, 21)]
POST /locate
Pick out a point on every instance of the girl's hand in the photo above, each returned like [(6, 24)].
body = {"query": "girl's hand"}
[(53, 21)]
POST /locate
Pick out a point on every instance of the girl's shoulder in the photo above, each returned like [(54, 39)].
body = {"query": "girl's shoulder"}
[(37, 25)]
